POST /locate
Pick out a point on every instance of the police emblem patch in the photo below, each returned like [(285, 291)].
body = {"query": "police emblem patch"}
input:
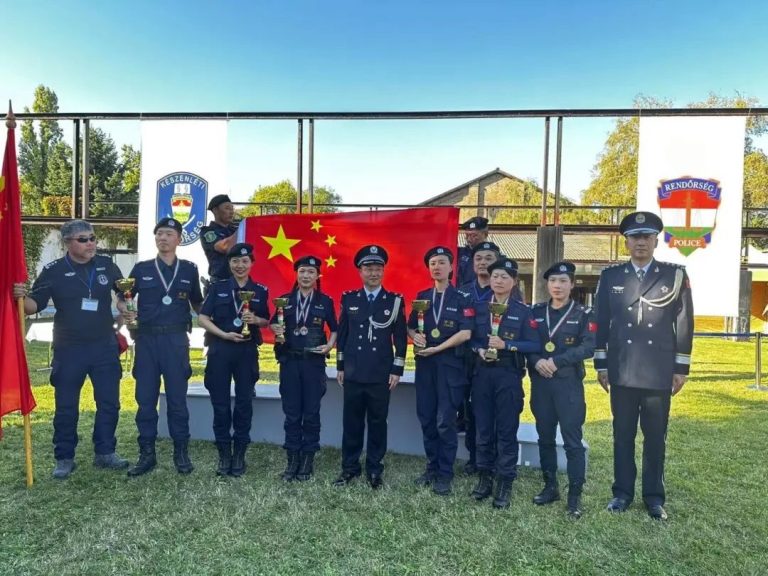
[(689, 208), (374, 249), (640, 218), (183, 196), (103, 280)]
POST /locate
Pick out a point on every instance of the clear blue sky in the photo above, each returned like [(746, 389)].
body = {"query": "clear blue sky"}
[(387, 55)]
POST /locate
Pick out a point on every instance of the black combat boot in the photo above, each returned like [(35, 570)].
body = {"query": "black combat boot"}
[(574, 502), (551, 491), (503, 492), (238, 460), (307, 466), (225, 458), (181, 457), (147, 460), (484, 487), (291, 466)]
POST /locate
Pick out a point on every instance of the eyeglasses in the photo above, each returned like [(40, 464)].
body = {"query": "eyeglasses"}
[(85, 239)]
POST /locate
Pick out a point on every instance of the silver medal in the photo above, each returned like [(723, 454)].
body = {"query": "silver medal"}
[(296, 332), (304, 331), (167, 300), (237, 322)]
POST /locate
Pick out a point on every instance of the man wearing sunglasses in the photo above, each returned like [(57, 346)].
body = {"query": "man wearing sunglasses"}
[(84, 344)]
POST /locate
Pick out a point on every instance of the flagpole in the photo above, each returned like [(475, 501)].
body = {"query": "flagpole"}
[(10, 122)]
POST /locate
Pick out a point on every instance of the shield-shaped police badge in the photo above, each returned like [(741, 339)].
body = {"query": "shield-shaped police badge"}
[(689, 210), (183, 196)]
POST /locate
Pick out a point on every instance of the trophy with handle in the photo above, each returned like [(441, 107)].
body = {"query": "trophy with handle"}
[(420, 306), (497, 310), (280, 303), (125, 285), (245, 297)]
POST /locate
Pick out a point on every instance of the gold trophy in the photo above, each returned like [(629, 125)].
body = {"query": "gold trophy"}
[(496, 309), (420, 306), (125, 285), (280, 303), (245, 297)]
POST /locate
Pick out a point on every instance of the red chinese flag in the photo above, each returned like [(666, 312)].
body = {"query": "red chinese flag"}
[(15, 389), (406, 235)]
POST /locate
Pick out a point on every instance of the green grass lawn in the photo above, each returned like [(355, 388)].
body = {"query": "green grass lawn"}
[(101, 522)]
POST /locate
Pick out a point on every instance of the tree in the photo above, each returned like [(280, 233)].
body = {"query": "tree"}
[(280, 198), (526, 193), (614, 176)]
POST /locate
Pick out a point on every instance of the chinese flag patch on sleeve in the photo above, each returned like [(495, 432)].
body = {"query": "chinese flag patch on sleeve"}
[(592, 326), (469, 312)]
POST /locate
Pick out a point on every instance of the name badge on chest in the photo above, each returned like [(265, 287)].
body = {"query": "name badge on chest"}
[(89, 305)]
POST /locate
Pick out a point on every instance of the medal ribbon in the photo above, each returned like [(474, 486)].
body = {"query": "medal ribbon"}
[(235, 299), (302, 307), (167, 285), (437, 315), (552, 332)]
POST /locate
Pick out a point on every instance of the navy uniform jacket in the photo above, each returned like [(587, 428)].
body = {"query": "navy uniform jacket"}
[(66, 282), (644, 331), (220, 305), (364, 349), (321, 313), (517, 328), (574, 341), (184, 291), (476, 292), (218, 264), (457, 314), (465, 272)]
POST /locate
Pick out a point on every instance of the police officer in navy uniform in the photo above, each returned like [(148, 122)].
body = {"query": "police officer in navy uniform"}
[(302, 358), (567, 336), (497, 386), (84, 344), (219, 236), (166, 288), (644, 316), (233, 356), (478, 290), (440, 373), (371, 323), (475, 232)]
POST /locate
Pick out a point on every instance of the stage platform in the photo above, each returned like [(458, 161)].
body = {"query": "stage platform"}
[(404, 429)]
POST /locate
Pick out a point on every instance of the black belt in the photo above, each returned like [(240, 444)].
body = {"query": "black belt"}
[(172, 329), (300, 354)]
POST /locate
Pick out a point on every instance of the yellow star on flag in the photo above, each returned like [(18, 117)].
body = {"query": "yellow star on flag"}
[(330, 240), (331, 262), (281, 246), (316, 225)]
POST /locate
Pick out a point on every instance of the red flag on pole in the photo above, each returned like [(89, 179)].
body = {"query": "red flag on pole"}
[(406, 235), (15, 388)]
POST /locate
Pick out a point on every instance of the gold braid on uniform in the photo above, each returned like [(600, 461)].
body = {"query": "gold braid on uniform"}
[(381, 325), (665, 300)]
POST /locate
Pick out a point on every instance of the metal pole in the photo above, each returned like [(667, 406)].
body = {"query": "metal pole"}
[(311, 165), (86, 168), (75, 166), (545, 184), (300, 165), (558, 165), (758, 364)]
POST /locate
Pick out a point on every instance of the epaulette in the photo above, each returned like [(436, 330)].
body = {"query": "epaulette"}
[(671, 264), (260, 285), (585, 309), (52, 263), (539, 305), (617, 265), (347, 292)]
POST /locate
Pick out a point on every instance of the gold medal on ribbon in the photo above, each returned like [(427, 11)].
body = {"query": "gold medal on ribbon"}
[(435, 333), (549, 346)]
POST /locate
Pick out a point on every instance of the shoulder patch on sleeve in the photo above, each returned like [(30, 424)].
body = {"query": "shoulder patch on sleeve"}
[(210, 236)]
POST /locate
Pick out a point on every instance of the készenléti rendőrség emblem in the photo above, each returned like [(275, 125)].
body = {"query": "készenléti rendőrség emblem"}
[(183, 196)]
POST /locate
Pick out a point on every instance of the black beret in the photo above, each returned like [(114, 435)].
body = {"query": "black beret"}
[(506, 264), (218, 200), (371, 254), (475, 223), (561, 268), (307, 261), (641, 223), (486, 246), (438, 251), (241, 249), (168, 222)]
